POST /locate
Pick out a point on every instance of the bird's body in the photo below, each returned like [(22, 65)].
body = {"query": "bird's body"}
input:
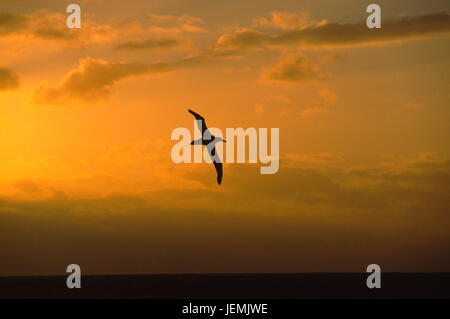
[(209, 141)]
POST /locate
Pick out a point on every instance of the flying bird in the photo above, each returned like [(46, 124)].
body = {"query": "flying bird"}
[(209, 141)]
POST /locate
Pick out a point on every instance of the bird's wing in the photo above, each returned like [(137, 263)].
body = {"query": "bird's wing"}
[(216, 160), (219, 171), (198, 117)]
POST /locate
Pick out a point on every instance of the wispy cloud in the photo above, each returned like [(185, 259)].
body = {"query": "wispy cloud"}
[(153, 31), (321, 103), (44, 25), (293, 68), (285, 21), (312, 110), (333, 34)]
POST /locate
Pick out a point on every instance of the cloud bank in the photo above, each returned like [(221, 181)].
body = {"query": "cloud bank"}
[(338, 218)]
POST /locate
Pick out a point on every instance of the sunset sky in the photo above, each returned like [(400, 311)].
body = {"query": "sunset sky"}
[(86, 116)]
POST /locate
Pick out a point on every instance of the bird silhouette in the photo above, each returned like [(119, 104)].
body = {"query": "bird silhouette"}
[(209, 141)]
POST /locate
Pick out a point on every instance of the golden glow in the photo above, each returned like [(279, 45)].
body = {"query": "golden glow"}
[(85, 138)]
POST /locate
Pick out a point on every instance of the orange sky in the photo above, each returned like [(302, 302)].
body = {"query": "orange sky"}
[(86, 116)]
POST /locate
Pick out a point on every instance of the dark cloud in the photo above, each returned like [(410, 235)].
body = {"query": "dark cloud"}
[(39, 25), (9, 79), (151, 44), (10, 23), (54, 33), (52, 27), (340, 34), (92, 79)]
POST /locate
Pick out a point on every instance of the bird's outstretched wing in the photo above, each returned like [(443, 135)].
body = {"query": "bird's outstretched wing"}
[(202, 125), (219, 171)]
